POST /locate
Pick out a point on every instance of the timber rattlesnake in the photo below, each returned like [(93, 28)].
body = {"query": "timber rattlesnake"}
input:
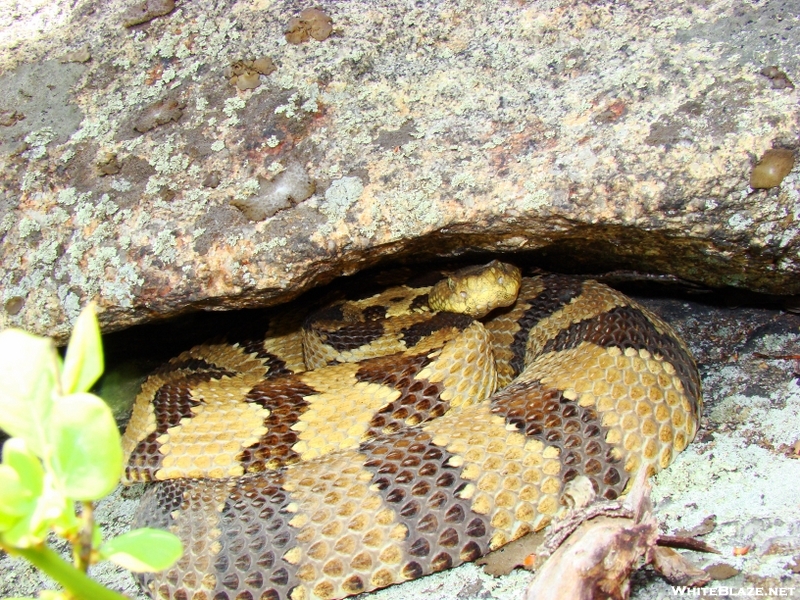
[(286, 483)]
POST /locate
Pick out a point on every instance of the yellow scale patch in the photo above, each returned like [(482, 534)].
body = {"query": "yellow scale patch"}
[(286, 341), (319, 353), (344, 530), (207, 444), (503, 328), (223, 393), (465, 367), (639, 397), (516, 481), (338, 418)]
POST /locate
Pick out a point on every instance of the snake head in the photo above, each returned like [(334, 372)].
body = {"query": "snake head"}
[(476, 291)]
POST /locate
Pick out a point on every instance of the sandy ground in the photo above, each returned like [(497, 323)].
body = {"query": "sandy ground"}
[(742, 470)]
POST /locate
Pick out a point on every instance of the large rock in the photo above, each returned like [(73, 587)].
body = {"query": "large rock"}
[(589, 135)]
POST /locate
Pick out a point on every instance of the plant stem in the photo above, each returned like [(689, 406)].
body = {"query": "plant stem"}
[(83, 548), (74, 581)]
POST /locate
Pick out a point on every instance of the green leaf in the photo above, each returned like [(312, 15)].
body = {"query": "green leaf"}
[(29, 375), (48, 509), (83, 363), (14, 502), (25, 533), (21, 483), (143, 550), (18, 456), (87, 452)]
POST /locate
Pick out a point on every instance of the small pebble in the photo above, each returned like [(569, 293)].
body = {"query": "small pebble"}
[(721, 571), (19, 148), (244, 74), (211, 180), (14, 304), (784, 544), (772, 168), (290, 187), (248, 81), (264, 65)]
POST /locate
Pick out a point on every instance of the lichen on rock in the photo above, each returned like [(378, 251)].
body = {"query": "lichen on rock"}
[(291, 186), (159, 113), (147, 11), (312, 23)]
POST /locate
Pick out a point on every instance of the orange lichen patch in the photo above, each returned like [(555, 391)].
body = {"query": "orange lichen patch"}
[(154, 74), (516, 144), (312, 23), (612, 112), (244, 74)]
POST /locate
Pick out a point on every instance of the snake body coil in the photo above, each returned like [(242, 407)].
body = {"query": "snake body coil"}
[(291, 483)]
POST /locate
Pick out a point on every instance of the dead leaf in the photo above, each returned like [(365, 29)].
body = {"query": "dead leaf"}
[(721, 571), (676, 569)]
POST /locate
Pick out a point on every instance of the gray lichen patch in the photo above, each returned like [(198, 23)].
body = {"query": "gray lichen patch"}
[(291, 186)]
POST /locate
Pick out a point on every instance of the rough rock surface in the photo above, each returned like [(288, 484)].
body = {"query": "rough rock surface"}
[(596, 135)]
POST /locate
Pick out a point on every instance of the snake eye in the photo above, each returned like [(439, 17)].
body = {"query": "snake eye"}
[(463, 294), (500, 280)]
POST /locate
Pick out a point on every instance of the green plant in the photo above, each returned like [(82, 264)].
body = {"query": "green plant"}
[(65, 450)]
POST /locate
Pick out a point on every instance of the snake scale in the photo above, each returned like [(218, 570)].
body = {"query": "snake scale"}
[(390, 455)]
